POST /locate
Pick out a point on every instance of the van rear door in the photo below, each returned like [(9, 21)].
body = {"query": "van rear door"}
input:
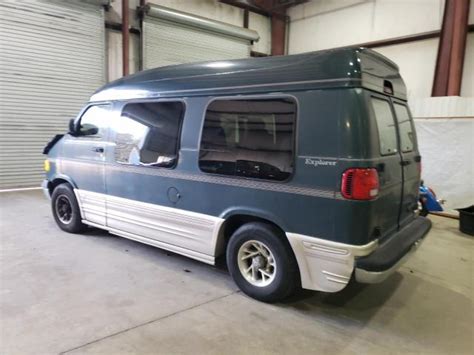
[(388, 165), (410, 161), (399, 163)]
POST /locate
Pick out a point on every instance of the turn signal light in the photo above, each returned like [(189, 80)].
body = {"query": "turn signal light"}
[(46, 166), (360, 184)]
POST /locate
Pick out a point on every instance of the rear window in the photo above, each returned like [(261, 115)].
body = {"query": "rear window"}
[(385, 126), (249, 138), (407, 134)]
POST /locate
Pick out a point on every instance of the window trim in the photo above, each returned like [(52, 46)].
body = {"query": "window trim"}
[(180, 130), (294, 155), (395, 124)]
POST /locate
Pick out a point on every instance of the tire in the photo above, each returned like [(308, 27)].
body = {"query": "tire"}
[(66, 209), (279, 280)]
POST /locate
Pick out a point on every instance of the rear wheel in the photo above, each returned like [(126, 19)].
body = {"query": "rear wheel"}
[(66, 209), (262, 263)]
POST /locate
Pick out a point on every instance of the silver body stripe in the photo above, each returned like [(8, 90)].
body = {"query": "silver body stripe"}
[(324, 265), (221, 180), (184, 232)]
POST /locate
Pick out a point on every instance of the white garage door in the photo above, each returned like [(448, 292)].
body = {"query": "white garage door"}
[(172, 37), (51, 60)]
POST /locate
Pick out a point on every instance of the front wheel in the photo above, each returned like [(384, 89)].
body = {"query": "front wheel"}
[(262, 263), (66, 209)]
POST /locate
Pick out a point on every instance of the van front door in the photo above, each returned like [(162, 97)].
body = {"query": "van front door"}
[(140, 174), (83, 160), (410, 161)]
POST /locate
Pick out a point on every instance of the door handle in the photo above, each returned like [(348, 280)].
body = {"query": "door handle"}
[(405, 162), (98, 149)]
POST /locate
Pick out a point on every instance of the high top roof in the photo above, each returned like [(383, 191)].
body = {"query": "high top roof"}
[(346, 67)]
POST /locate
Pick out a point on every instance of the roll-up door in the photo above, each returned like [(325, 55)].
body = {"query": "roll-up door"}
[(52, 58), (173, 37)]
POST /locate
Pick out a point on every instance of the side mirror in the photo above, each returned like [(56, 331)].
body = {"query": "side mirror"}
[(72, 128), (88, 130)]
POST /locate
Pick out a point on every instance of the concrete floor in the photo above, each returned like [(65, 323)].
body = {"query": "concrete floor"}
[(97, 293)]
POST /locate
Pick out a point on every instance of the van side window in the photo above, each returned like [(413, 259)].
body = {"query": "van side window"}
[(147, 133), (405, 125), (94, 122), (385, 126), (250, 138)]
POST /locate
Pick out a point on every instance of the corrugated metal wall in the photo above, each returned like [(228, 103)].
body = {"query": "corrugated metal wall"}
[(52, 57), (168, 43)]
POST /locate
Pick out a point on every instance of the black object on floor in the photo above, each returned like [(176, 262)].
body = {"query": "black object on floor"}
[(466, 220)]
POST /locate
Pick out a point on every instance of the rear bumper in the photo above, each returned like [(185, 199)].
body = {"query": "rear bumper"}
[(389, 256), (326, 265)]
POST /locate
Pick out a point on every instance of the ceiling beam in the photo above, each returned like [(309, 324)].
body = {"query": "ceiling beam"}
[(247, 5), (264, 7), (276, 10)]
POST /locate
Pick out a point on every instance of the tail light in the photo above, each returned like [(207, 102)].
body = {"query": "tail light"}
[(360, 184)]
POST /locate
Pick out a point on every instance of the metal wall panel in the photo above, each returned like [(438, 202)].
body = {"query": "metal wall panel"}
[(168, 43), (52, 58)]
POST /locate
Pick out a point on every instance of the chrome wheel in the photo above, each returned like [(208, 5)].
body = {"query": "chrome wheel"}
[(63, 209), (256, 263)]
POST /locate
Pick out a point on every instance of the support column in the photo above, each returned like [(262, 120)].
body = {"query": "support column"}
[(458, 49), (278, 34), (125, 37), (451, 49)]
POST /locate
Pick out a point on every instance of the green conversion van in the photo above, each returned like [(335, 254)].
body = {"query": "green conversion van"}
[(302, 170)]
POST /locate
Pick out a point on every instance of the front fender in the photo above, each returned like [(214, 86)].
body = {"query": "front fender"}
[(55, 177)]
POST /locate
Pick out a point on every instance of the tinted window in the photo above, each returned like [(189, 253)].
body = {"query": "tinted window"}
[(407, 135), (94, 121), (252, 138), (385, 126), (147, 133)]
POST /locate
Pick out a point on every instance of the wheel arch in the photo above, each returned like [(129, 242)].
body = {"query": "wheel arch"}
[(237, 217), (58, 180)]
